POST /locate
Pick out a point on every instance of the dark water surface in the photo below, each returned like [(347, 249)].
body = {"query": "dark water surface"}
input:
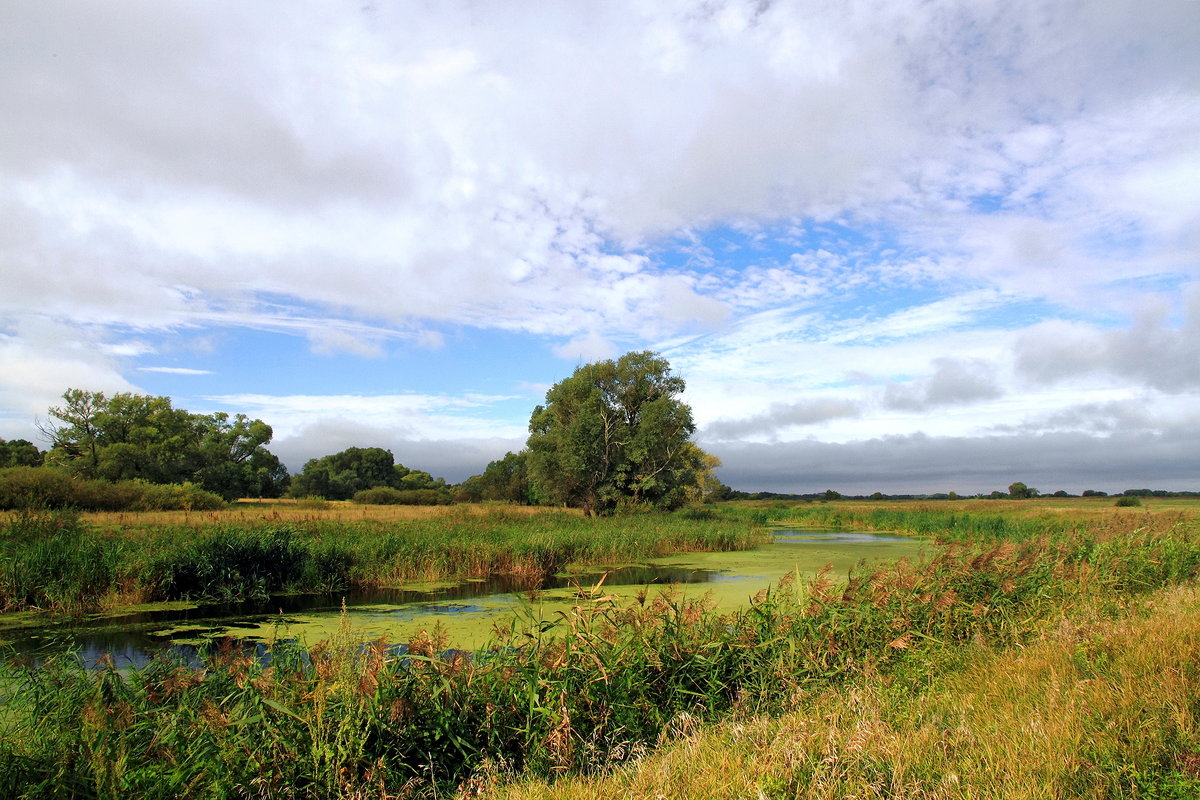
[(469, 610)]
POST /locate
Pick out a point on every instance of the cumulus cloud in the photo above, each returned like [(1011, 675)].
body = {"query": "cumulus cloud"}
[(775, 194), (39, 361)]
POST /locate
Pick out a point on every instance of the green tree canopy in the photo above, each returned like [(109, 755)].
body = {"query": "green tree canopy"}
[(505, 479), (19, 453), (1019, 491), (341, 475), (615, 433), (131, 436)]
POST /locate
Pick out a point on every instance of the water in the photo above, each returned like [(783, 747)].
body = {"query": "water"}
[(469, 611)]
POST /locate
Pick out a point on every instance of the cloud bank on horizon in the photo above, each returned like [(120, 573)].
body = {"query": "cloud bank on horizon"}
[(891, 246)]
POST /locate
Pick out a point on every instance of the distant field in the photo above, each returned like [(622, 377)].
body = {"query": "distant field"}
[(253, 511)]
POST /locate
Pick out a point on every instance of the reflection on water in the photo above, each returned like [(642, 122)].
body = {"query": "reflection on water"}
[(132, 638)]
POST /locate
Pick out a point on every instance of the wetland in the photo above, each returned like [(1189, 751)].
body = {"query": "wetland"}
[(468, 610)]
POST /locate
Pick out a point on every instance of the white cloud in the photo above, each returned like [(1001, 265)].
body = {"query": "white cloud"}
[(409, 416), (896, 178), (176, 370), (953, 382), (591, 347)]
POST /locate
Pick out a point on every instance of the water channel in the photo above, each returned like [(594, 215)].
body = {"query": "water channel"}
[(469, 611)]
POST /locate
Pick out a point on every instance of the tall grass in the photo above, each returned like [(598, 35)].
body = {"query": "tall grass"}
[(54, 560), (1099, 708), (579, 693)]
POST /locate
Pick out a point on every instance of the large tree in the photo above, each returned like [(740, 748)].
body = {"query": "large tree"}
[(615, 433), (133, 436)]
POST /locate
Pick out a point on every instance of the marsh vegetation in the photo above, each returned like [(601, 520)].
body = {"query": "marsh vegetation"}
[(855, 669)]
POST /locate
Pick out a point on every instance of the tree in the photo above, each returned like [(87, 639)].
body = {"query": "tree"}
[(131, 436), (19, 453), (506, 479), (1019, 491), (341, 475), (615, 433)]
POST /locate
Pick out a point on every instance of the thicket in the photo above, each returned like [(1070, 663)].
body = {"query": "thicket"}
[(387, 496), (576, 694), (52, 488)]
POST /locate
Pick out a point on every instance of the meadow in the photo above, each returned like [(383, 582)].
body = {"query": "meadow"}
[(1046, 650)]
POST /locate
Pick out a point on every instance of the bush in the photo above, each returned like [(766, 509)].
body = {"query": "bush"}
[(387, 496), (49, 487), (176, 497), (1127, 502), (35, 487)]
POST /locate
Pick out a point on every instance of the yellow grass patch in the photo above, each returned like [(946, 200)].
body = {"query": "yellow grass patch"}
[(294, 511), (1097, 709)]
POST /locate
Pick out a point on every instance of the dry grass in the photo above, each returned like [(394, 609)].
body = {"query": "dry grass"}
[(1098, 709), (286, 511)]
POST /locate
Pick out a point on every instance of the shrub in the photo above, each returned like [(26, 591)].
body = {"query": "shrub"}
[(387, 496), (175, 497), (1127, 502), (100, 495), (35, 487)]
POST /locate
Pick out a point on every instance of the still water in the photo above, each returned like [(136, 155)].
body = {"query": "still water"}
[(470, 611)]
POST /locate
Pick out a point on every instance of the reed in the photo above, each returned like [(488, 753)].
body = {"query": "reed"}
[(56, 560), (585, 692)]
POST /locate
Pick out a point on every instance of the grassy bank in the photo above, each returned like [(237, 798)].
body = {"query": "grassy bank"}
[(1098, 708), (60, 561), (586, 692)]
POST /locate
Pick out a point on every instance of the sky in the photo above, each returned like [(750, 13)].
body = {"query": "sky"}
[(891, 246)]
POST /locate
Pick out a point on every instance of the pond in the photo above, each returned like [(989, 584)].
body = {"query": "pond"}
[(469, 611)]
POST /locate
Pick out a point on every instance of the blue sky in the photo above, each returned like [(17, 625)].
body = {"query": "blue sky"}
[(891, 246)]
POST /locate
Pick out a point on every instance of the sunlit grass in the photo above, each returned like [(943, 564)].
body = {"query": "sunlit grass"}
[(288, 511), (1098, 708), (60, 561), (1015, 662)]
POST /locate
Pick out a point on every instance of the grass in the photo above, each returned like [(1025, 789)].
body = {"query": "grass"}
[(63, 561), (881, 686), (1072, 715)]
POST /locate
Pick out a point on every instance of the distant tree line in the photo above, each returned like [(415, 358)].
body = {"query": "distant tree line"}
[(614, 435), (829, 494), (111, 451)]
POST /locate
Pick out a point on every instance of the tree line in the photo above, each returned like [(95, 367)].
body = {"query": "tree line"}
[(615, 434)]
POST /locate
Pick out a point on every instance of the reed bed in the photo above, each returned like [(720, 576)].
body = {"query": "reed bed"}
[(588, 691), (56, 560)]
